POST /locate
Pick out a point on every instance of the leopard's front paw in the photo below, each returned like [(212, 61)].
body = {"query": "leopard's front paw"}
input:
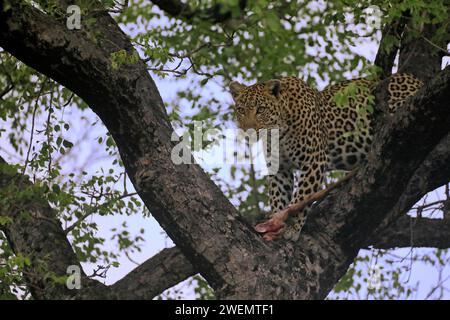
[(291, 233)]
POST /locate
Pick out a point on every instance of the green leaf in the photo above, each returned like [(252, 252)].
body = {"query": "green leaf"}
[(67, 144)]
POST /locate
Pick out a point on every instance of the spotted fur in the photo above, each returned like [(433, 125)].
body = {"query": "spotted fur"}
[(315, 134)]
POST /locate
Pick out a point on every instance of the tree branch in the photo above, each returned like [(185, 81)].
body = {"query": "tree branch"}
[(414, 232), (433, 172), (161, 272), (36, 233), (385, 57), (214, 14), (419, 57)]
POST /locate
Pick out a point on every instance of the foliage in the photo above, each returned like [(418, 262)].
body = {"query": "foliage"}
[(41, 141)]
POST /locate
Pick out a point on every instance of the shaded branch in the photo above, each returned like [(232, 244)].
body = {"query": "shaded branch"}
[(418, 56), (36, 233), (6, 91), (384, 60), (215, 14), (386, 51), (432, 173), (164, 270), (414, 232)]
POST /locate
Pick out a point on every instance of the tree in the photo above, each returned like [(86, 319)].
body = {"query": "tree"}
[(103, 68)]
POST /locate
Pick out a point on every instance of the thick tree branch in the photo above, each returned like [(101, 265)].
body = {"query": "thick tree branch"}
[(419, 57), (157, 274), (384, 60), (36, 233), (214, 14), (189, 206), (433, 172), (386, 51), (414, 232)]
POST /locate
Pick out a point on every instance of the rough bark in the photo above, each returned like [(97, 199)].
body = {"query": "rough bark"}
[(431, 174), (418, 56), (161, 272), (415, 232), (187, 204)]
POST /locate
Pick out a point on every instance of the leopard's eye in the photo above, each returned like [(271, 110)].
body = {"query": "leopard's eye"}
[(240, 110), (260, 110)]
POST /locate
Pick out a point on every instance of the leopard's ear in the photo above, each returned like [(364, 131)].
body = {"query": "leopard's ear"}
[(236, 88), (273, 87)]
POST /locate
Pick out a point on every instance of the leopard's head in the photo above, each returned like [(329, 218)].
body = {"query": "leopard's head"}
[(257, 106)]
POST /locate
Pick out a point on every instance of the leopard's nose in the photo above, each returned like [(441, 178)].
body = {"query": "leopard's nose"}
[(248, 124)]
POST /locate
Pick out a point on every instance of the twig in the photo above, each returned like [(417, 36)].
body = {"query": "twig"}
[(30, 145), (5, 91), (435, 45), (90, 212), (100, 271), (427, 205)]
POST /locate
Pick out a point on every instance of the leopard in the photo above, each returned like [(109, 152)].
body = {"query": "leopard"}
[(317, 133)]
